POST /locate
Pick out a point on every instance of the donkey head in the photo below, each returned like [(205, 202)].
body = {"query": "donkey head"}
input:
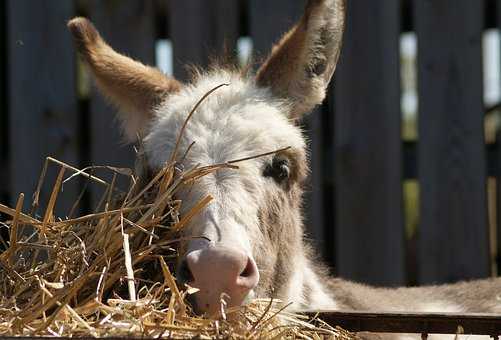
[(252, 234)]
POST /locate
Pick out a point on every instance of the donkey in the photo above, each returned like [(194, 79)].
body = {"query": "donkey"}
[(253, 239)]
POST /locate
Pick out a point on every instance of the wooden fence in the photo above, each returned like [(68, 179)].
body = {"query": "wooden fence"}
[(355, 203)]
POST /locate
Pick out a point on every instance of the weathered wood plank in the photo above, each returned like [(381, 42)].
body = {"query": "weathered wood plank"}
[(129, 27), (269, 20), (4, 184), (497, 248), (368, 147), (315, 187), (452, 164), (496, 159), (41, 93), (421, 323), (492, 153), (201, 30)]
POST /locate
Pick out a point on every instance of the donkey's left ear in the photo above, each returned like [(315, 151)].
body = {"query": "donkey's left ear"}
[(136, 89), (301, 65)]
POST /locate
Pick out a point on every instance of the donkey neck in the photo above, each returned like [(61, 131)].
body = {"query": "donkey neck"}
[(308, 288)]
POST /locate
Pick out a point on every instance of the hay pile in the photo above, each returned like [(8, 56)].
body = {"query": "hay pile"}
[(110, 273), (95, 275)]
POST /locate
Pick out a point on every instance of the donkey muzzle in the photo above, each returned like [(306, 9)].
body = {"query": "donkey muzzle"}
[(223, 275)]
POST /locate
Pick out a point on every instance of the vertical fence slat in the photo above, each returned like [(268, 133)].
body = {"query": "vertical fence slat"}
[(266, 27), (41, 92), (4, 172), (452, 166), (498, 179), (315, 187), (497, 240), (129, 27), (497, 162), (368, 148), (200, 30)]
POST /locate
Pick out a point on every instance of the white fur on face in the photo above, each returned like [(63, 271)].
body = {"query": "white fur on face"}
[(236, 121)]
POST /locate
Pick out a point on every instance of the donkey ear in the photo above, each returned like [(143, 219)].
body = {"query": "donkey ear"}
[(135, 88), (302, 63)]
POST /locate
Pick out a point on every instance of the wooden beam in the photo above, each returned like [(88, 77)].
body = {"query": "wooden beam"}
[(421, 323)]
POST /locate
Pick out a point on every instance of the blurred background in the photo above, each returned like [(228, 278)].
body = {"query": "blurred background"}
[(404, 187)]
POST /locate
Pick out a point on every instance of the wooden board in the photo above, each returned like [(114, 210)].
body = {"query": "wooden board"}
[(420, 323), (269, 20), (496, 160), (201, 30), (368, 148), (41, 94), (497, 240), (315, 187), (452, 162), (129, 27), (4, 172)]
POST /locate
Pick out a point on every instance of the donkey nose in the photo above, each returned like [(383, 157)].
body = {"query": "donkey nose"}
[(216, 271)]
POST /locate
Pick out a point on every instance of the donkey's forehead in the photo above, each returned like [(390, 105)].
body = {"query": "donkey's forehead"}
[(238, 120)]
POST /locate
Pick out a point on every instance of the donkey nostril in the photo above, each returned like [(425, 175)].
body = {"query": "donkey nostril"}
[(184, 273), (249, 277), (248, 270)]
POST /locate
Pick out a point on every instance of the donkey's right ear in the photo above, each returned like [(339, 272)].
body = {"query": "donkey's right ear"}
[(302, 63), (133, 87)]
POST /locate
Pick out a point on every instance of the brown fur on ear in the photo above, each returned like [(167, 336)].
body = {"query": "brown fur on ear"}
[(301, 65), (135, 88)]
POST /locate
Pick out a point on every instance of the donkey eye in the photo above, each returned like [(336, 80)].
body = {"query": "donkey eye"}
[(279, 170)]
